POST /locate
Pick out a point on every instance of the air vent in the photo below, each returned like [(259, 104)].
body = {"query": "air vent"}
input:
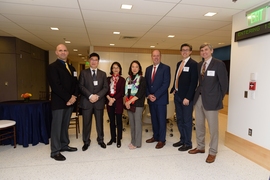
[(128, 38)]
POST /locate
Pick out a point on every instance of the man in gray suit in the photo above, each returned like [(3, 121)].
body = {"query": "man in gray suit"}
[(93, 86), (213, 85)]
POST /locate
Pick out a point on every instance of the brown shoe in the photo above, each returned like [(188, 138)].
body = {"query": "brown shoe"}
[(151, 140), (210, 158), (195, 151), (160, 145)]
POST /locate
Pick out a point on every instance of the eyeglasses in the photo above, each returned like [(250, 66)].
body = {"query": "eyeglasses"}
[(185, 50), (95, 60)]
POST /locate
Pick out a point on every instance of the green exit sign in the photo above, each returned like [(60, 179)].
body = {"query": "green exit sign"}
[(258, 16)]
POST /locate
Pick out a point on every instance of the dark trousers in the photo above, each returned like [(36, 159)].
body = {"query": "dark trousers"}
[(59, 129), (184, 119), (158, 119), (87, 124), (118, 124)]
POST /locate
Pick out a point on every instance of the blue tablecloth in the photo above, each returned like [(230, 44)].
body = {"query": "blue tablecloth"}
[(33, 120)]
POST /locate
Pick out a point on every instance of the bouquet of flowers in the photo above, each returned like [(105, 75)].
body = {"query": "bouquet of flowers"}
[(26, 95)]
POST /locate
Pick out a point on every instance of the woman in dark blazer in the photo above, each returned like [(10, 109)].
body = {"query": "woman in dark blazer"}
[(115, 102), (135, 89)]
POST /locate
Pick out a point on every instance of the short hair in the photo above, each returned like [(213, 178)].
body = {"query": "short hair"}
[(119, 65), (186, 44), (140, 68), (94, 55), (206, 44), (156, 50)]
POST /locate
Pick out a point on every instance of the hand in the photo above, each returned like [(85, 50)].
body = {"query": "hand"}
[(94, 98), (185, 102), (71, 101), (127, 104), (151, 97)]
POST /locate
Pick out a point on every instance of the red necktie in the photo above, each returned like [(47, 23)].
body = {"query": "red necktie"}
[(153, 75)]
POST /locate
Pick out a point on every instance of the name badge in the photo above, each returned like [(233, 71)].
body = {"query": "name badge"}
[(95, 83), (129, 86), (75, 74), (186, 69), (210, 73)]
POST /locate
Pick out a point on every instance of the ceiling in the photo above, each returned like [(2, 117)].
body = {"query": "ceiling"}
[(92, 22)]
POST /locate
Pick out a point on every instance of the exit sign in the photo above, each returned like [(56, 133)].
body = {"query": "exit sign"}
[(258, 16)]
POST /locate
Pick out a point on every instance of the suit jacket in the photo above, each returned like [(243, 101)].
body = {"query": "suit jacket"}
[(63, 84), (86, 85), (118, 96), (160, 85), (213, 86), (187, 81)]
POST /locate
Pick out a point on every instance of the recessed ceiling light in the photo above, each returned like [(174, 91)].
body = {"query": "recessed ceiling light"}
[(112, 44), (79, 54), (221, 43), (116, 32), (68, 42), (210, 14), (75, 49), (126, 6), (152, 46), (54, 28), (171, 36)]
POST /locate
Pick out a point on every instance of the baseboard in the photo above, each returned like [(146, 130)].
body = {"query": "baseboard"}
[(253, 152)]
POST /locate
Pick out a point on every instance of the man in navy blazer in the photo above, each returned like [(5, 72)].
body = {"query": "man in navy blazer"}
[(213, 85), (63, 81), (93, 86), (158, 77), (185, 83)]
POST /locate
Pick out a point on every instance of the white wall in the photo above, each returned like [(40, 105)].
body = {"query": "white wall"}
[(249, 56)]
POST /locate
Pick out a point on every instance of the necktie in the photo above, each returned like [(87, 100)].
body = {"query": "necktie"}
[(67, 68), (178, 74), (153, 75), (94, 75), (203, 69)]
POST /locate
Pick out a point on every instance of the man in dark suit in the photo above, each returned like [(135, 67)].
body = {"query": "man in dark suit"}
[(93, 86), (213, 85), (185, 83), (158, 77), (62, 78)]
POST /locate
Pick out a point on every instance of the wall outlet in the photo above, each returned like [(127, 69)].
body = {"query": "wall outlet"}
[(245, 94), (250, 132)]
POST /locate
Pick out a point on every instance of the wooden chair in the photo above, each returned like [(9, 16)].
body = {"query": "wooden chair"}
[(8, 130), (74, 119)]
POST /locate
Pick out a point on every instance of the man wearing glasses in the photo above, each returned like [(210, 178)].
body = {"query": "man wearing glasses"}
[(93, 86), (185, 83)]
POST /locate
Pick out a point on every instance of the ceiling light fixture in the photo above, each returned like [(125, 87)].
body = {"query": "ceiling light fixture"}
[(116, 32), (171, 36), (79, 54), (75, 49), (112, 44), (210, 14), (152, 46), (54, 28), (126, 6), (67, 42)]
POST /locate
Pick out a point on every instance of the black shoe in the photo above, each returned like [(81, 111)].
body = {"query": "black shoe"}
[(111, 141), (85, 147), (118, 144), (102, 144), (184, 148), (178, 144), (69, 149), (58, 157)]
